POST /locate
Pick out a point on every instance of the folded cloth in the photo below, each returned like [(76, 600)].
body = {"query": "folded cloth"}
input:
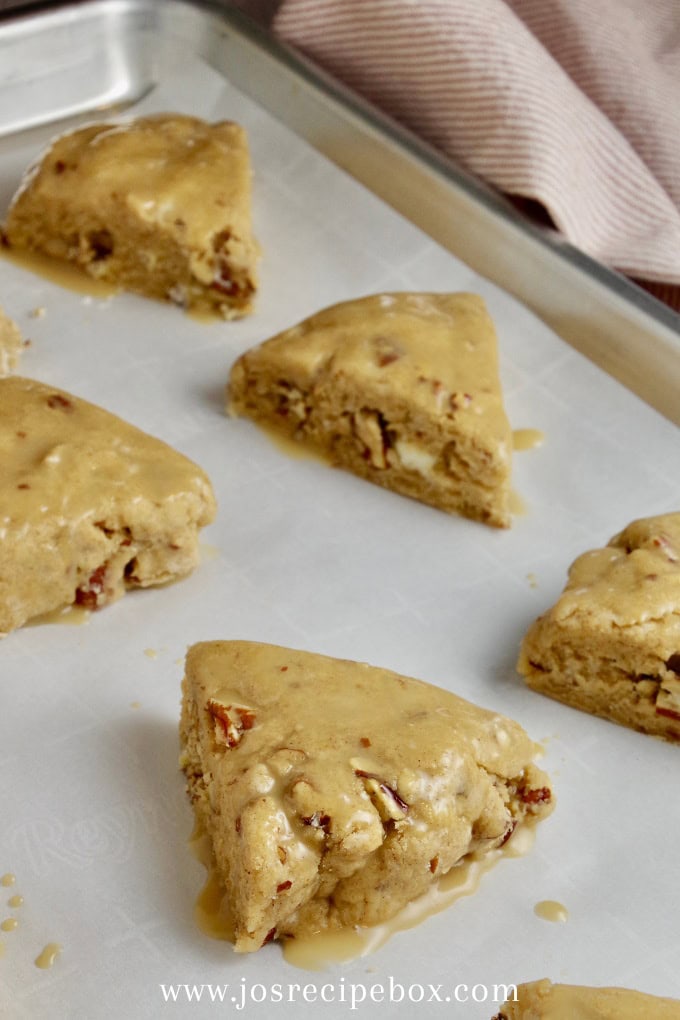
[(568, 103)]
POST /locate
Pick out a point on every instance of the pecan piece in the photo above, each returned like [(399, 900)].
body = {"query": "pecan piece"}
[(673, 663), (290, 400), (663, 543), (385, 799), (541, 795), (100, 243), (371, 431), (669, 713), (387, 350), (387, 358), (223, 282), (318, 821), (512, 825), (55, 400), (668, 695), (93, 594), (231, 721), (460, 400)]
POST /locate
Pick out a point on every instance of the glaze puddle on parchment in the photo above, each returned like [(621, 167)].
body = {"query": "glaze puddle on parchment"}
[(551, 910), (72, 616), (317, 952), (64, 274), (527, 439), (292, 447), (517, 505), (49, 956)]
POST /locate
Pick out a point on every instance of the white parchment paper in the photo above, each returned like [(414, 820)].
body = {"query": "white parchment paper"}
[(93, 817)]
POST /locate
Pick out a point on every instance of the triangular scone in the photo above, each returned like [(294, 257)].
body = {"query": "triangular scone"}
[(402, 389), (611, 643), (542, 1000), (334, 792), (159, 205), (11, 343), (89, 505)]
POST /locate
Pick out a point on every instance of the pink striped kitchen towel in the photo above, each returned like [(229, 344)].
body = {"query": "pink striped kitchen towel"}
[(572, 104)]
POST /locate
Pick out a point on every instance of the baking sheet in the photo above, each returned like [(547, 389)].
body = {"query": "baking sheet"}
[(94, 820)]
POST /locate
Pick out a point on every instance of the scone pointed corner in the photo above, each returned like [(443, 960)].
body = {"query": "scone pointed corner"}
[(402, 389), (335, 792)]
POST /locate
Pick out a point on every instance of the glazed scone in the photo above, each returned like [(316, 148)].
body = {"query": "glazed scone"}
[(402, 389), (11, 343), (89, 505), (335, 792), (159, 205), (542, 1000), (611, 643)]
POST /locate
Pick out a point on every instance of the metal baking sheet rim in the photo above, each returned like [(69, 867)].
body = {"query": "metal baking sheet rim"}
[(628, 333)]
